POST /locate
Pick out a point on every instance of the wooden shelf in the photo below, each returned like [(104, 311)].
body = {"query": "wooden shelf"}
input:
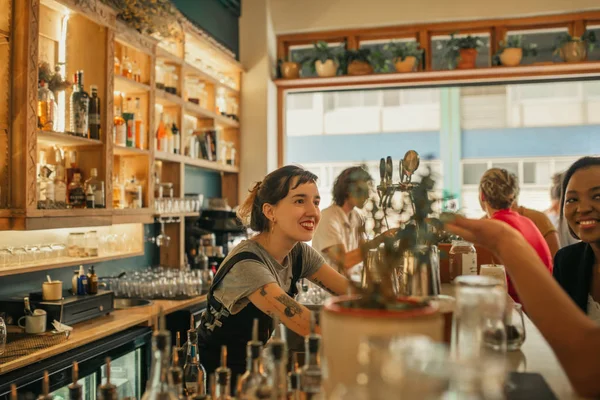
[(194, 162), (200, 112), (126, 85), (63, 262), (165, 55), (168, 99), (132, 216), (477, 75), (190, 69), (71, 212), (64, 139), (129, 151), (180, 215)]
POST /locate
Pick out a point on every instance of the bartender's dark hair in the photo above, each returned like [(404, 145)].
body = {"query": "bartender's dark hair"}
[(582, 163), (271, 190), (345, 182)]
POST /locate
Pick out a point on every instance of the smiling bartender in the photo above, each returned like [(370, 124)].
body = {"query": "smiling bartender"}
[(258, 278)]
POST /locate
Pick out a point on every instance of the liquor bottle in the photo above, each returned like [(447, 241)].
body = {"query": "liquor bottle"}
[(170, 138), (118, 194), (253, 377), (80, 104), (140, 132), (193, 371), (74, 169), (181, 352), (129, 116), (47, 109), (133, 194), (108, 391), (75, 389), (311, 376), (97, 188), (46, 185), (278, 378), (94, 114), (45, 388), (137, 72), (223, 376), (120, 128), (92, 281), (176, 139), (76, 192), (127, 68), (13, 392), (60, 187), (89, 197), (176, 374), (157, 387), (294, 380), (161, 136), (117, 66)]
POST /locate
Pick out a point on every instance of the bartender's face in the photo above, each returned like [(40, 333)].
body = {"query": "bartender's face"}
[(359, 193), (298, 214), (582, 204)]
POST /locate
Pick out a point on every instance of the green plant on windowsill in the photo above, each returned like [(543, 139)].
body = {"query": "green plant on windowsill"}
[(511, 51), (323, 59), (575, 48), (405, 55), (461, 52), (289, 67), (356, 62)]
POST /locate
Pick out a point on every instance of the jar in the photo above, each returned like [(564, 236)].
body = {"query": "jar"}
[(463, 259), (160, 75), (76, 244), (91, 244), (133, 194)]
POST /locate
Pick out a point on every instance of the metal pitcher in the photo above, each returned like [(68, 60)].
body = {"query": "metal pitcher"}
[(421, 272)]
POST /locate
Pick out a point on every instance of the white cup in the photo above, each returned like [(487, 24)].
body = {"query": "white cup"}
[(34, 323)]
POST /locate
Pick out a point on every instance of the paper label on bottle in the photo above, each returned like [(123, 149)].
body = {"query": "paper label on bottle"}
[(94, 119), (60, 193), (469, 264), (99, 197), (121, 135)]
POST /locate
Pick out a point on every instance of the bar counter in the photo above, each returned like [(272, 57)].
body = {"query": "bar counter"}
[(98, 328)]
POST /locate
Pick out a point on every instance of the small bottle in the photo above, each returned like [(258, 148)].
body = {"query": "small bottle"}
[(108, 391), (161, 136), (118, 194), (193, 371), (75, 389), (176, 139), (46, 185), (137, 72), (89, 198), (223, 375), (13, 392), (47, 109), (294, 380), (60, 187), (129, 117), (74, 281), (463, 259), (80, 103), (94, 114), (181, 352), (97, 187), (74, 169), (45, 388), (311, 380), (278, 379), (92, 281), (140, 132), (176, 374), (133, 194), (81, 282), (253, 377), (127, 68), (76, 192), (120, 128)]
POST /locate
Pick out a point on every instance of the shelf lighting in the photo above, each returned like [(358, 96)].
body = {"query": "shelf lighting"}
[(62, 58)]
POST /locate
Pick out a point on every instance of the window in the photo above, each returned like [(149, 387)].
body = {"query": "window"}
[(299, 52), (300, 101), (544, 39), (438, 48), (594, 55), (378, 50), (472, 173)]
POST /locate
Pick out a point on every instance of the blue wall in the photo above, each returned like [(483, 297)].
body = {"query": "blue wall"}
[(358, 148), (203, 182)]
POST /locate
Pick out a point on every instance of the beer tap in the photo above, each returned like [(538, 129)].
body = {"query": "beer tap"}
[(406, 167), (382, 187)]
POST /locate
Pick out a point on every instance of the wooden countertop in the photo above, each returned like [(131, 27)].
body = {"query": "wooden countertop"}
[(98, 328)]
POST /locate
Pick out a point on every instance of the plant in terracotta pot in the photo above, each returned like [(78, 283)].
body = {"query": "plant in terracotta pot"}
[(575, 48), (461, 52), (289, 68), (378, 305), (356, 62), (513, 50), (323, 60), (406, 55)]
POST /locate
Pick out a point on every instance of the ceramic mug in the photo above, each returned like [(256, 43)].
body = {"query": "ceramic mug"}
[(52, 291), (34, 323)]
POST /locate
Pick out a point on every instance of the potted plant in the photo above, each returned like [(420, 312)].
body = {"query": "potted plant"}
[(461, 52), (378, 305), (357, 62), (406, 55), (323, 60), (288, 69), (575, 48), (513, 50)]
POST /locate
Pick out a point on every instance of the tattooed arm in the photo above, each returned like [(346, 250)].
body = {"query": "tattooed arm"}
[(273, 301), (330, 280)]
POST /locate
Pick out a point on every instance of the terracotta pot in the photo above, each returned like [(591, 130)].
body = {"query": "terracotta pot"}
[(511, 56), (574, 51), (343, 328), (360, 68), (290, 70), (326, 69), (409, 64), (467, 59)]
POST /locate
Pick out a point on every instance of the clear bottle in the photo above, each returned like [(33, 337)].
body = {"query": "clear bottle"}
[(120, 128), (80, 104), (45, 388), (253, 378), (294, 380), (76, 192), (117, 66), (107, 391), (60, 187), (278, 351), (158, 387), (137, 72), (90, 241), (221, 102), (127, 68), (311, 380), (160, 75), (97, 188), (193, 371), (223, 376), (75, 389), (89, 197), (47, 108), (46, 185), (118, 194), (133, 194), (140, 132), (463, 259), (94, 114)]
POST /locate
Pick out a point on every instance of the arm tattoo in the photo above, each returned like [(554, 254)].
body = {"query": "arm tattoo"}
[(322, 285), (263, 292), (291, 307)]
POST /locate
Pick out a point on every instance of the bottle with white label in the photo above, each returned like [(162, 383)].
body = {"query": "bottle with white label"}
[(463, 259)]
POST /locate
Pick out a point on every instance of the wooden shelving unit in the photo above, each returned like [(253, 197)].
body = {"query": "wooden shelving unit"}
[(130, 86), (65, 139)]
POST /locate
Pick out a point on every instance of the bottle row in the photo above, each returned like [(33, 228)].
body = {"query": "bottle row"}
[(129, 129)]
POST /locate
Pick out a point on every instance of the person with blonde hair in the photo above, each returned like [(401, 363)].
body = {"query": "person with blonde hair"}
[(498, 190)]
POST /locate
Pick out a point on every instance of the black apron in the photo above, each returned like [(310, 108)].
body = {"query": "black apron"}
[(220, 328)]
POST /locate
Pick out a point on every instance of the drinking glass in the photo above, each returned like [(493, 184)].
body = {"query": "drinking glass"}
[(515, 327), (5, 257), (3, 335)]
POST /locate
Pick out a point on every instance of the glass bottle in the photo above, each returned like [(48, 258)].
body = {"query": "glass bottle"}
[(117, 65), (118, 194), (181, 352), (140, 133), (80, 101), (129, 117), (74, 169), (220, 101), (13, 392), (127, 68), (75, 389), (161, 136), (160, 75), (176, 139), (176, 374), (45, 395), (89, 197), (157, 387), (311, 379), (170, 138), (47, 109), (253, 377), (136, 71), (463, 259), (133, 194), (46, 185), (107, 391), (294, 380), (76, 192), (223, 376), (193, 371), (94, 114), (60, 187), (120, 128), (97, 188)]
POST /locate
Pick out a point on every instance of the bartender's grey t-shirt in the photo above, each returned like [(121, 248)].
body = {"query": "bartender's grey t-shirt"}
[(247, 276)]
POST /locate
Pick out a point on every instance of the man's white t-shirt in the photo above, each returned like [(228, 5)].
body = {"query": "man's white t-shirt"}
[(336, 227)]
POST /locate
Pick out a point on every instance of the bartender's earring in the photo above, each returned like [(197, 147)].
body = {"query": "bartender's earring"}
[(273, 225)]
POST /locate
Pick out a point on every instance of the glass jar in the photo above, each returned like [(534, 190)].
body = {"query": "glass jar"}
[(47, 108), (463, 259), (76, 244), (91, 244), (160, 75), (133, 194)]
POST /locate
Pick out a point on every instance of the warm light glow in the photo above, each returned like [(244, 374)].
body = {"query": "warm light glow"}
[(62, 58)]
